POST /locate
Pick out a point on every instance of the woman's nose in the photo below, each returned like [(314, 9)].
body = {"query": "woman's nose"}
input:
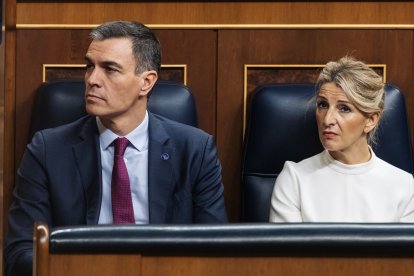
[(330, 117)]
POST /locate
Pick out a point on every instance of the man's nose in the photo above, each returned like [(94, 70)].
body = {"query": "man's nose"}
[(92, 76)]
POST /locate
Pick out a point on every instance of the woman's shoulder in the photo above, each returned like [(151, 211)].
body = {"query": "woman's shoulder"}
[(390, 169), (306, 165)]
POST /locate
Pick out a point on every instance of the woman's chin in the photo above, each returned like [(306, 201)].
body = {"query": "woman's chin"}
[(329, 146)]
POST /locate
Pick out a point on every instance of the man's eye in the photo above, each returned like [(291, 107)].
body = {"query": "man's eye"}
[(88, 66)]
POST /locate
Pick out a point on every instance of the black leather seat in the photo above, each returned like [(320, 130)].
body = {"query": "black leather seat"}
[(63, 101), (282, 126), (247, 239)]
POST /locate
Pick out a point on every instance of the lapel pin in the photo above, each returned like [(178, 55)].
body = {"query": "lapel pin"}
[(165, 156)]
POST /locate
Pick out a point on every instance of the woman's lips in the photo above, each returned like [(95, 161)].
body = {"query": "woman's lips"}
[(93, 97), (329, 134)]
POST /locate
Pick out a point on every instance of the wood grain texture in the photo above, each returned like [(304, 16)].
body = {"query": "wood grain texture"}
[(41, 254), (287, 266), (94, 265), (110, 264), (197, 12), (9, 111)]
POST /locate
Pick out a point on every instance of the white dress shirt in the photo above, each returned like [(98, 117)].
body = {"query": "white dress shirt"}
[(136, 160)]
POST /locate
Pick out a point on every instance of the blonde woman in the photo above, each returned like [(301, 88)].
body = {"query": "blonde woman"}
[(346, 182)]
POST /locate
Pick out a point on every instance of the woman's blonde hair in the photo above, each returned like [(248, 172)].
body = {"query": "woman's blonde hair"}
[(362, 86)]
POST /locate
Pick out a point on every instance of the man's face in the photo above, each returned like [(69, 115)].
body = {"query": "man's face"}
[(113, 89)]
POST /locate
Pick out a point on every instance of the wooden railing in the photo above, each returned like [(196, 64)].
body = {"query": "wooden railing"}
[(232, 249)]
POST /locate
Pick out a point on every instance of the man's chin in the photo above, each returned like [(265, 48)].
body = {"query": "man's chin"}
[(93, 110)]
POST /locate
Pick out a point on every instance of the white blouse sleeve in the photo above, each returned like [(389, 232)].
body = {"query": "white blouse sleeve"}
[(408, 214), (285, 202)]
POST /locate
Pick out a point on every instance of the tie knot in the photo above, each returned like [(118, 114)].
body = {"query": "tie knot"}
[(120, 145)]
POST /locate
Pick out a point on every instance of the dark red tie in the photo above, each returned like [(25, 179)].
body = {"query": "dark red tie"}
[(122, 210)]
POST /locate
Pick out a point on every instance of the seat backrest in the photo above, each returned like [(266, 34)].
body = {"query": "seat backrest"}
[(63, 101), (281, 126)]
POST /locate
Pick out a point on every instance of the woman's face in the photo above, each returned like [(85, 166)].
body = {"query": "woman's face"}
[(342, 127)]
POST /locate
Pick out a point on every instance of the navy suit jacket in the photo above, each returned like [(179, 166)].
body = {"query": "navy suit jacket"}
[(59, 182)]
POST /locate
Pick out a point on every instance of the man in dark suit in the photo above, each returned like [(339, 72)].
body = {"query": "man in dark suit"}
[(67, 174)]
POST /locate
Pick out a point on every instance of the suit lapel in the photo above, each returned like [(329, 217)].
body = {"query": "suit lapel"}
[(161, 178), (88, 161)]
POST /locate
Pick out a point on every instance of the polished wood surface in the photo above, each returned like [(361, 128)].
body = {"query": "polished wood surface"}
[(96, 264), (41, 249), (2, 84), (232, 12), (77, 265), (9, 42), (273, 265)]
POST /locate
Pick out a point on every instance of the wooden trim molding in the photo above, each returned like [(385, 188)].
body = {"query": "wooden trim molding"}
[(41, 249), (229, 26), (58, 66), (178, 66), (81, 66)]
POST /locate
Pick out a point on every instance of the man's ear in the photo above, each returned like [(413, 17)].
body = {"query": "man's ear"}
[(148, 79), (372, 121)]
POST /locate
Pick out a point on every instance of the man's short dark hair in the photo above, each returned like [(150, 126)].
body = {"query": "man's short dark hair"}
[(145, 45)]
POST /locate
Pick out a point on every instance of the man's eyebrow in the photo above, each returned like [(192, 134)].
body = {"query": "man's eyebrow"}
[(105, 64), (110, 63)]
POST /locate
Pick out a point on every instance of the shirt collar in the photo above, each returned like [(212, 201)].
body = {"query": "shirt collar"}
[(137, 137), (349, 169)]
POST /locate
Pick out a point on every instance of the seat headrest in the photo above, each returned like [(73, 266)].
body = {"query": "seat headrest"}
[(63, 101), (281, 126)]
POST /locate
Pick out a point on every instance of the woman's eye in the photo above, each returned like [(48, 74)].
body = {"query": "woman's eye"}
[(344, 108), (322, 104)]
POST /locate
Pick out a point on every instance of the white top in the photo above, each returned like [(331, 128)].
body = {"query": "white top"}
[(321, 189), (136, 161)]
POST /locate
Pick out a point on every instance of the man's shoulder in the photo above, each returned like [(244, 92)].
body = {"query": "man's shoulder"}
[(67, 131), (175, 128), (59, 140)]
